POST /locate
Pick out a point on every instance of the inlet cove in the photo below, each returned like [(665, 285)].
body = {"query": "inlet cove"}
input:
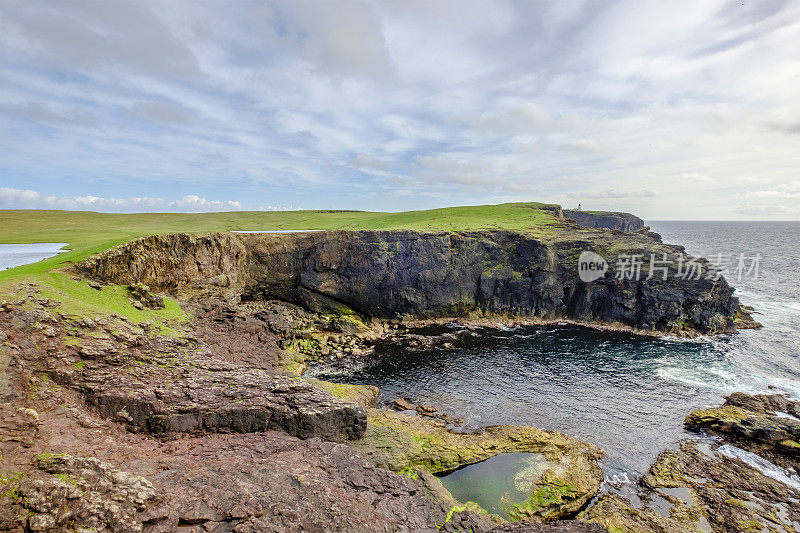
[(444, 370)]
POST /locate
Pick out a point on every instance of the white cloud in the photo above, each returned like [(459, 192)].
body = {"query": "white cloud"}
[(580, 146), (367, 162), (404, 104), (28, 199)]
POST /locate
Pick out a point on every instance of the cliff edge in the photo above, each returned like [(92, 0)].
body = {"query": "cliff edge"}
[(624, 222), (413, 274)]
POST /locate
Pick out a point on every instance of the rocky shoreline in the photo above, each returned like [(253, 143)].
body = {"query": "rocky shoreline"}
[(101, 409), (207, 424)]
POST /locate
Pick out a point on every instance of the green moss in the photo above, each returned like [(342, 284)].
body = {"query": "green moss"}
[(468, 506), (10, 483), (542, 499), (306, 346), (66, 478), (717, 415), (363, 395), (751, 525), (409, 472), (78, 365), (46, 456), (423, 442)]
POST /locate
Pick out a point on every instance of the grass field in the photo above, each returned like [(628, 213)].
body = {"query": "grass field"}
[(87, 233)]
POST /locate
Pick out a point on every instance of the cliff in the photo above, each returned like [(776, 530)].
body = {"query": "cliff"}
[(625, 222), (387, 274)]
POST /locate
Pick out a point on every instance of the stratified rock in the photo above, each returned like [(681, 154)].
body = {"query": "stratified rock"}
[(273, 483), (219, 398), (765, 424), (625, 222), (388, 274)]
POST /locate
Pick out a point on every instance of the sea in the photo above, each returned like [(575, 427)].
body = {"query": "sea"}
[(627, 394)]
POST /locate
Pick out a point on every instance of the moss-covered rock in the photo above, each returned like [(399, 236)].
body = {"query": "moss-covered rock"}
[(764, 424), (570, 475), (697, 489), (363, 395)]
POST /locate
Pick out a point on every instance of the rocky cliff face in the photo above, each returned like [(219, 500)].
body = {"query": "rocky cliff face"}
[(605, 220), (388, 274)]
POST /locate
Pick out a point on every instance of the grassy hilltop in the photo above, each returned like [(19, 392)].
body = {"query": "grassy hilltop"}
[(87, 233)]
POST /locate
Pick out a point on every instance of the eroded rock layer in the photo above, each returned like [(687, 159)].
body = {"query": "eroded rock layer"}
[(435, 274)]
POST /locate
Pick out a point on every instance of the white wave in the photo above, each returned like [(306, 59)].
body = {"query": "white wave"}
[(762, 465)]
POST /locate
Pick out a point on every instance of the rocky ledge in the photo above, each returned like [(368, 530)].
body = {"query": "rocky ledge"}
[(745, 479), (624, 222), (112, 425), (408, 274), (768, 425)]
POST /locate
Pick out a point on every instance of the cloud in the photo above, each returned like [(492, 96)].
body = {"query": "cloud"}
[(613, 194), (518, 118), (28, 199), (402, 104), (164, 113), (580, 146), (42, 112), (367, 162), (762, 210)]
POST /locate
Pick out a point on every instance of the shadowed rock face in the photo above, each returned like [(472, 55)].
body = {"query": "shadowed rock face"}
[(625, 222), (386, 274)]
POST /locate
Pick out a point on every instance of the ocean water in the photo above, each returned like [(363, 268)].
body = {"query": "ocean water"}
[(625, 393), (12, 255)]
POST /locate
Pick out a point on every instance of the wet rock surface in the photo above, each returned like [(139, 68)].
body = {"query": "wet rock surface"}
[(746, 480), (765, 424), (698, 488)]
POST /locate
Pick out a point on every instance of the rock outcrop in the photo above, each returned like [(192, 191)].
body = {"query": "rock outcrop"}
[(388, 274), (624, 222), (699, 488), (744, 480), (768, 425), (219, 397), (113, 425)]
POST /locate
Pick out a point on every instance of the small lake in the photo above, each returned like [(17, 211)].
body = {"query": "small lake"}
[(13, 255)]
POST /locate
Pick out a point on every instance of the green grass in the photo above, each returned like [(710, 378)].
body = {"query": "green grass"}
[(87, 233)]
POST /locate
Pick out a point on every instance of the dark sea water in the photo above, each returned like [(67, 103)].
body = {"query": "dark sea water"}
[(627, 394)]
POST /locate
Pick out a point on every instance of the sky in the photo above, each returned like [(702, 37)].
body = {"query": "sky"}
[(670, 110)]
